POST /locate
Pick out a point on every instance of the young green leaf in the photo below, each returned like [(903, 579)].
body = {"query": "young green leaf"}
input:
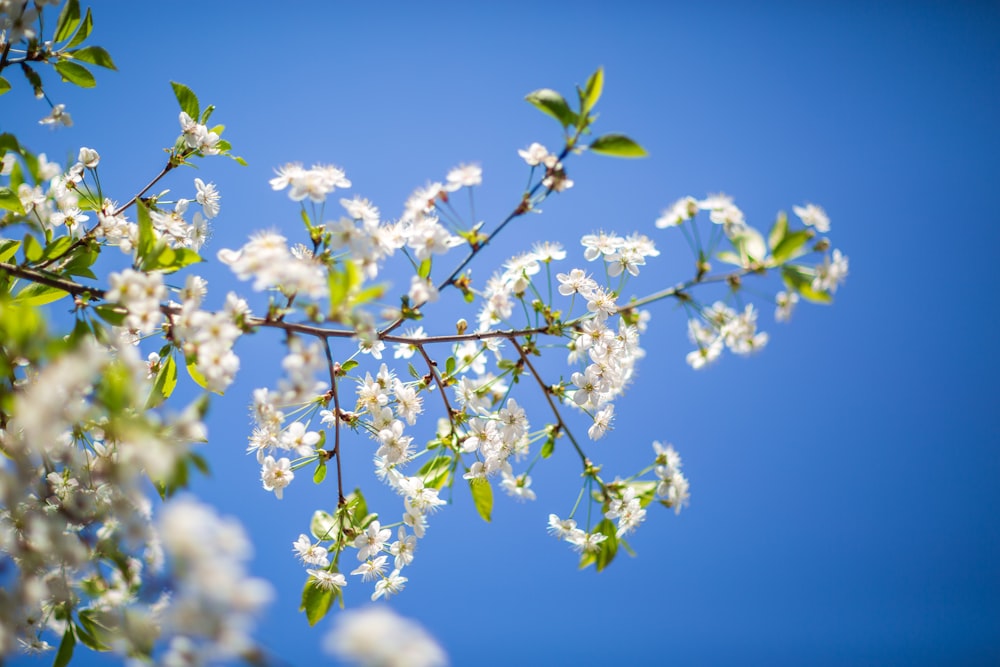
[(66, 646), (592, 91), (10, 201), (94, 55), (552, 103), (33, 250), (186, 98), (482, 496), (4, 85), (316, 601), (69, 19), (8, 248), (76, 74), (320, 473), (166, 380), (791, 246), (36, 294), (617, 145), (84, 32), (778, 231)]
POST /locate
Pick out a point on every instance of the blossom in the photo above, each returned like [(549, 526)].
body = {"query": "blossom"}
[(371, 568), (813, 216), (830, 273), (208, 196), (602, 422), (58, 115), (535, 154), (403, 549), (310, 553), (785, 303), (89, 157), (276, 475), (464, 175), (682, 209), (327, 580), (370, 542), (378, 637), (389, 586)]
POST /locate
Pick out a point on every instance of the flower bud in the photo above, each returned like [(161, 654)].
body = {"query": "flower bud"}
[(89, 157)]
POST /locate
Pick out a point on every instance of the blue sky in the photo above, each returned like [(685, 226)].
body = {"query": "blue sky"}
[(844, 481)]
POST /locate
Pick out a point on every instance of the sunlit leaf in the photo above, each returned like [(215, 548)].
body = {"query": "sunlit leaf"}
[(617, 145)]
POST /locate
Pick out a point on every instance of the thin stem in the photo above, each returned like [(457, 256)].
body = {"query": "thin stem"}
[(548, 397), (437, 380), (341, 500)]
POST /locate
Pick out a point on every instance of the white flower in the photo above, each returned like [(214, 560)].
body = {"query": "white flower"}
[(378, 637), (464, 175), (370, 542), (535, 154), (814, 216), (681, 210), (310, 553), (602, 422), (389, 586), (276, 475), (327, 580), (89, 157), (208, 196)]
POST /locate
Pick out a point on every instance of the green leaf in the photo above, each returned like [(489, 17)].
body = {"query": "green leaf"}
[(324, 526), (112, 314), (609, 547), (778, 231), (57, 247), (436, 472), (169, 260), (8, 248), (36, 294), (10, 201), (349, 365), (617, 145), (799, 278), (69, 19), (76, 74), (482, 496), (815, 296), (186, 98), (424, 270), (549, 447), (199, 462), (166, 380), (592, 91), (66, 646), (320, 473), (4, 85), (94, 55), (84, 31), (316, 601), (32, 248), (552, 103), (449, 367), (147, 237), (195, 374), (791, 246)]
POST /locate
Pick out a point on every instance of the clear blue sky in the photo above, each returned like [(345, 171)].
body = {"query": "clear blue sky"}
[(845, 499)]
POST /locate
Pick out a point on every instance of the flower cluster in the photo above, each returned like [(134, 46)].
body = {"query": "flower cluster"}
[(141, 294)]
